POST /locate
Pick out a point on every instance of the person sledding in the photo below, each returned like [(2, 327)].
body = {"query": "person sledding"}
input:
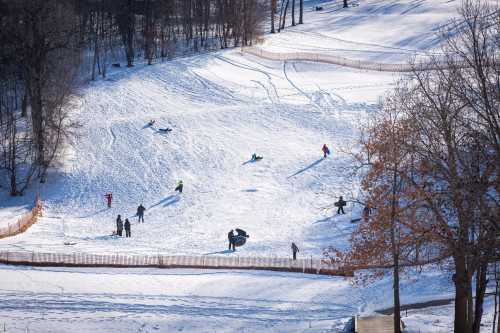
[(325, 150), (165, 130), (256, 157), (180, 186), (340, 204), (151, 123)]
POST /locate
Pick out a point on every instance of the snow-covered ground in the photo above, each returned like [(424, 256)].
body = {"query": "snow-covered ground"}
[(222, 107), (386, 31), (153, 300)]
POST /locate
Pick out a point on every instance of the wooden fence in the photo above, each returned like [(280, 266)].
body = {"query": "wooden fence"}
[(311, 266), (337, 60), (24, 222)]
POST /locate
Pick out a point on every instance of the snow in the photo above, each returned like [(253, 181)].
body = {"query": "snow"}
[(387, 31), (222, 107), (140, 300)]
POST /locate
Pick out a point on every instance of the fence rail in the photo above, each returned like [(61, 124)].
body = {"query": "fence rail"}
[(341, 61), (311, 266), (24, 222)]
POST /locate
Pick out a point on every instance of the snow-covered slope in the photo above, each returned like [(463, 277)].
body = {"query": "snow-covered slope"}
[(387, 31), (223, 107)]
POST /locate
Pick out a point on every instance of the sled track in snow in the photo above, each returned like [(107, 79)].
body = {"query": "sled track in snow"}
[(310, 266)]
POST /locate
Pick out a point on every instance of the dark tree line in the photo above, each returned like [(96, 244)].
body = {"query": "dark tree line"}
[(48, 46), (284, 5)]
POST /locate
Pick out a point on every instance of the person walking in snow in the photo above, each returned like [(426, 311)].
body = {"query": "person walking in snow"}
[(366, 213), (109, 198), (295, 249), (230, 237), (127, 228), (340, 204), (180, 186), (325, 150), (119, 225), (140, 212)]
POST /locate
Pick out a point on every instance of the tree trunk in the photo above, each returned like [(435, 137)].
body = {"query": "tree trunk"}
[(273, 13), (395, 256), (293, 12), (461, 283), (345, 4), (284, 15), (481, 283), (301, 11), (24, 104)]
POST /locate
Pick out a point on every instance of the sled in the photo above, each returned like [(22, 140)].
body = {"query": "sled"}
[(241, 238)]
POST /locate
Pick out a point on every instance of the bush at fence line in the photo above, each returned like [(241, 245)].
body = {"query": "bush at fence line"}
[(24, 221)]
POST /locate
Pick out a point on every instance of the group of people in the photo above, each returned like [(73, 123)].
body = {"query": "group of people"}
[(120, 225), (233, 239)]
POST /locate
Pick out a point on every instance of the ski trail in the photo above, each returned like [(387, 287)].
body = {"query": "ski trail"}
[(322, 91), (300, 90)]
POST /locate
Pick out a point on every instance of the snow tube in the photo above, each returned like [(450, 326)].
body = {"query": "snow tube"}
[(239, 240)]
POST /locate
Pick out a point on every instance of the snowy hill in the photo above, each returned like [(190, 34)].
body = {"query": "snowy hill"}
[(222, 108)]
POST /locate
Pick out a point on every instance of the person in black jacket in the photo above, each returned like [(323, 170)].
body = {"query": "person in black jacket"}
[(127, 228), (230, 238), (119, 225), (340, 204), (140, 212), (295, 249)]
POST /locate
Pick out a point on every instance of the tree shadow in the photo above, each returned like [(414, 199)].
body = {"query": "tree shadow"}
[(312, 165)]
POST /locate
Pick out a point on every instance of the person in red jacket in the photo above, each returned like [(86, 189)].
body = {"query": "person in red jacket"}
[(109, 198), (325, 150)]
